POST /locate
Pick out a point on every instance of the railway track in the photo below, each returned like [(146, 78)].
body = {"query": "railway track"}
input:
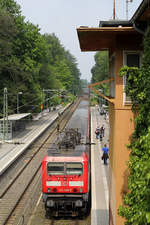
[(65, 222), (38, 218), (39, 215), (18, 197)]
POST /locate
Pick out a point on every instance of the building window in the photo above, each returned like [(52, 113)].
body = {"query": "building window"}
[(131, 59)]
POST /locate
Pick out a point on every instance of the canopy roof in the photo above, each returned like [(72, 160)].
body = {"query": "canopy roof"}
[(102, 38), (15, 117), (109, 33)]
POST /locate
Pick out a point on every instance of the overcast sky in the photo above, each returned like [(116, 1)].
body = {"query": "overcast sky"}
[(62, 17)]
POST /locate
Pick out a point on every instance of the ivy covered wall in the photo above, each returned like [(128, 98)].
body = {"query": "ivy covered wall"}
[(136, 207)]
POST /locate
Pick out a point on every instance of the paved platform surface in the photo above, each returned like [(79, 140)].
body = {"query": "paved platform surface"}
[(99, 172), (10, 151)]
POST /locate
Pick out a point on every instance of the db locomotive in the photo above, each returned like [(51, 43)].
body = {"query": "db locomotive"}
[(66, 184), (66, 175)]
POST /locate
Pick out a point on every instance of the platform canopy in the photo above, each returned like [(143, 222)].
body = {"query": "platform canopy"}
[(18, 116), (103, 38)]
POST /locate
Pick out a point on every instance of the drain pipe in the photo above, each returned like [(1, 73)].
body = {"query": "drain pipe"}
[(137, 29)]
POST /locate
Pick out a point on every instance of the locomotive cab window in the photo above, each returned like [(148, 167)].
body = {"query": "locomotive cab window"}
[(61, 168), (74, 168), (55, 168)]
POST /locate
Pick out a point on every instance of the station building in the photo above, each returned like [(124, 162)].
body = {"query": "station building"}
[(123, 40)]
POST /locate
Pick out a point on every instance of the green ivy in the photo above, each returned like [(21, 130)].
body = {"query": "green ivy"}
[(136, 203)]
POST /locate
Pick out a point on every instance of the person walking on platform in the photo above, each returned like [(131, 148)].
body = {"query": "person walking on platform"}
[(103, 130), (105, 150), (97, 132), (101, 134)]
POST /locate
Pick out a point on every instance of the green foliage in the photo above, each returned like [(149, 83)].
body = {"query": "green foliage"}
[(31, 62), (55, 100), (64, 65), (10, 6), (100, 71), (70, 98), (136, 208), (93, 100), (84, 83)]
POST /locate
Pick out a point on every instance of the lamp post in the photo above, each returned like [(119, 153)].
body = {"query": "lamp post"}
[(19, 93), (5, 116)]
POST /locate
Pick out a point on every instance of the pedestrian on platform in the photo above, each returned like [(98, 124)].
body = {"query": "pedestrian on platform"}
[(105, 150), (97, 132), (100, 136), (103, 130)]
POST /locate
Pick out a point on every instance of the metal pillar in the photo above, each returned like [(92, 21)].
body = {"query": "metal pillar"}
[(114, 11), (5, 115), (19, 93)]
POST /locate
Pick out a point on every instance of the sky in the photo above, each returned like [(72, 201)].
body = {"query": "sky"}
[(63, 17)]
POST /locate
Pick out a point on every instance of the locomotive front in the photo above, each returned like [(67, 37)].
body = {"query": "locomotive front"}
[(65, 183)]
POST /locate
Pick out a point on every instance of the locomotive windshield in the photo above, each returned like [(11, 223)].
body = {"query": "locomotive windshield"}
[(61, 168), (74, 168), (56, 168)]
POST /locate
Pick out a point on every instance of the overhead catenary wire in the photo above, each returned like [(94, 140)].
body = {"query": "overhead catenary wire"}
[(29, 103)]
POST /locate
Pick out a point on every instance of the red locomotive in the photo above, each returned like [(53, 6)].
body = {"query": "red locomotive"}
[(66, 183), (66, 169)]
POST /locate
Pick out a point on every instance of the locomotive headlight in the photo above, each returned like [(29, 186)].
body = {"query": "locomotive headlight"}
[(75, 190), (55, 190), (48, 190), (80, 190)]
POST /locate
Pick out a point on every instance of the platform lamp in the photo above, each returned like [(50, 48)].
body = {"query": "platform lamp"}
[(19, 93)]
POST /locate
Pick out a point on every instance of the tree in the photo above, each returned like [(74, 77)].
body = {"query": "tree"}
[(10, 7), (31, 62), (63, 65), (100, 71)]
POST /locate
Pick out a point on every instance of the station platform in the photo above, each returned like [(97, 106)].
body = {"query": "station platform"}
[(99, 171), (11, 150)]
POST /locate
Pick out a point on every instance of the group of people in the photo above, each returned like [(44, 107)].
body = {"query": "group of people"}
[(99, 135), (100, 132)]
